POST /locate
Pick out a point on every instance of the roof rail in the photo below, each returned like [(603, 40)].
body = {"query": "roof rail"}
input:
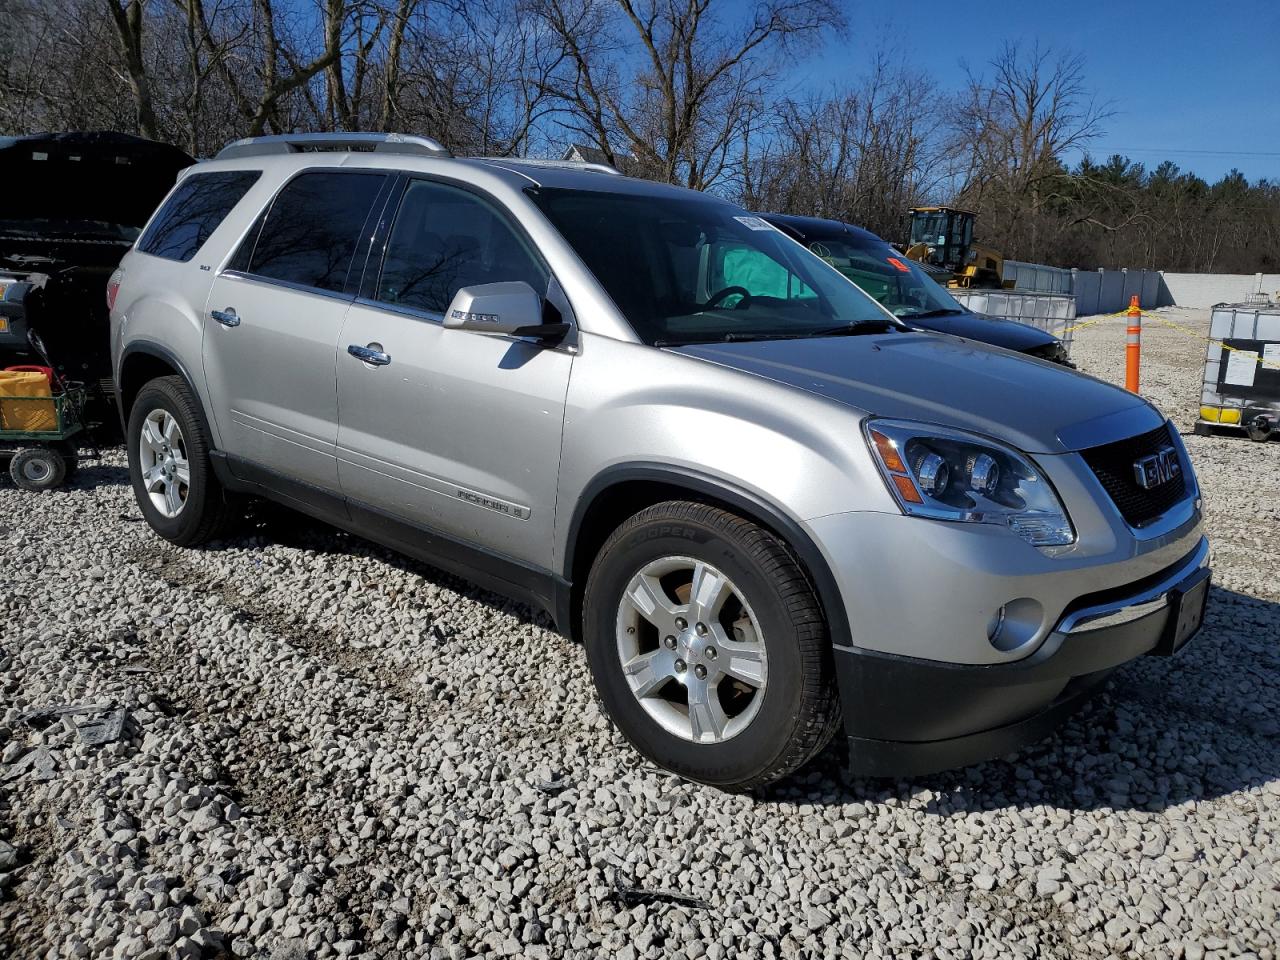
[(315, 142), (559, 164)]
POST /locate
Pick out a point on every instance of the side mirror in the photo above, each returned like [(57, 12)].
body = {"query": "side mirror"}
[(511, 308)]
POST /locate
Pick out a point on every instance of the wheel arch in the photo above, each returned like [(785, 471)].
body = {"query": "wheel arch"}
[(623, 490), (143, 361)]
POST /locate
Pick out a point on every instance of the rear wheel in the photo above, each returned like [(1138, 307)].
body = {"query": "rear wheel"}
[(173, 479), (37, 468), (708, 646)]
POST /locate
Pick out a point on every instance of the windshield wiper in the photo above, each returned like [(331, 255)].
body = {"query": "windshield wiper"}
[(941, 312), (857, 328), (732, 337)]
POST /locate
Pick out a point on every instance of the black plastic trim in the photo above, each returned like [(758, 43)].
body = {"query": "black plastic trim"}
[(743, 501), (906, 716), (150, 348), (890, 758)]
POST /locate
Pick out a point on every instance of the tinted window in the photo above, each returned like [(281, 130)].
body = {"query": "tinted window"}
[(193, 212), (445, 239), (686, 269), (899, 284), (312, 230)]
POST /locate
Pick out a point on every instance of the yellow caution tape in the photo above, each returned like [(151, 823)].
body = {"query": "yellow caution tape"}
[(1199, 336), (1168, 323), (1089, 323)]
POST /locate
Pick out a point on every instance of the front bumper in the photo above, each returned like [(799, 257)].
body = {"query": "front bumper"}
[(907, 716)]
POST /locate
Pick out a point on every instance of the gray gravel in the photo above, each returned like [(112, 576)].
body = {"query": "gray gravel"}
[(331, 751)]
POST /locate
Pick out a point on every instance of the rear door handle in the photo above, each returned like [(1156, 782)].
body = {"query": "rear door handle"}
[(371, 354), (227, 317)]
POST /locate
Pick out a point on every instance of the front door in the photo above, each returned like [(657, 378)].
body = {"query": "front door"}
[(454, 431), (274, 316)]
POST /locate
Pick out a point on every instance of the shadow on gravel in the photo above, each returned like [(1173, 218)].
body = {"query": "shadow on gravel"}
[(1197, 726), (91, 475), (265, 520)]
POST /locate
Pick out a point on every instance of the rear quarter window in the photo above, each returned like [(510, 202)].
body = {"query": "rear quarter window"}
[(193, 211)]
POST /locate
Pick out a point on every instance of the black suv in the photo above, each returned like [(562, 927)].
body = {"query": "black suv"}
[(904, 289)]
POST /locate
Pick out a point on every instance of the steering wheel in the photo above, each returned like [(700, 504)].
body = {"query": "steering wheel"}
[(729, 291)]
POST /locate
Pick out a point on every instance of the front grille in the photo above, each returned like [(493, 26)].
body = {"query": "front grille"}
[(1113, 463)]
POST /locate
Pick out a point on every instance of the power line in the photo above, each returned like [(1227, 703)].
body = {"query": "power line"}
[(1206, 153)]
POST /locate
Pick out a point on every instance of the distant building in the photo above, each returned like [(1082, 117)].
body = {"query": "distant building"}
[(582, 153)]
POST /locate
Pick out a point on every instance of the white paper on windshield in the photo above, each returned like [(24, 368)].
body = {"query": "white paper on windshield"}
[(753, 223), (1271, 352), (1242, 367)]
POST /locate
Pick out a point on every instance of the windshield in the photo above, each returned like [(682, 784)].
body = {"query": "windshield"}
[(930, 228), (688, 270), (900, 285)]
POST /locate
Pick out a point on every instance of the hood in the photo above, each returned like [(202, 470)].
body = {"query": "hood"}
[(1039, 407), (1003, 333), (83, 186)]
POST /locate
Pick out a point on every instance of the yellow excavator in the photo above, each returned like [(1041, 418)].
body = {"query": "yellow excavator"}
[(942, 240)]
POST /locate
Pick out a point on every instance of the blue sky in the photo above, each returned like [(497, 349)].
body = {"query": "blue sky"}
[(1199, 78)]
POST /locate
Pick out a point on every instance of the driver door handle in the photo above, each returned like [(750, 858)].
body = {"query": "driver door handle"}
[(227, 317), (369, 355)]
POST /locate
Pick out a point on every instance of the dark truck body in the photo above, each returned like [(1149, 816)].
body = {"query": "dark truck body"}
[(954, 318), (73, 205)]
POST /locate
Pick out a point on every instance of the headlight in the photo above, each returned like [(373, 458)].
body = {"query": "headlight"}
[(947, 474), (1055, 351)]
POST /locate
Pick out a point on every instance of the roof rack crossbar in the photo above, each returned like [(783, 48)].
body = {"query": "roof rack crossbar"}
[(558, 164), (316, 142)]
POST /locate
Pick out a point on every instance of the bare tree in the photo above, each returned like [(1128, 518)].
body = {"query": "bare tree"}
[(681, 107), (391, 70), (863, 153), (1013, 131), (260, 106), (127, 16)]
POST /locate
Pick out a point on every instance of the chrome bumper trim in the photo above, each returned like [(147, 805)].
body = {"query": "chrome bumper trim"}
[(1145, 603)]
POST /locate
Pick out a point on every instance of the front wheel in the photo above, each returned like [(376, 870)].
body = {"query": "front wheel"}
[(708, 646)]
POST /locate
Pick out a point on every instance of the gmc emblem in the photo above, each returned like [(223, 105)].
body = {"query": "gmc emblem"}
[(1157, 468)]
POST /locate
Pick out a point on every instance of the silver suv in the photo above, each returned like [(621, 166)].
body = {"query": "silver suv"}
[(766, 509)]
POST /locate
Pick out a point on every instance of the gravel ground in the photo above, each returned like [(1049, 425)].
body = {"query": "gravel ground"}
[(332, 751)]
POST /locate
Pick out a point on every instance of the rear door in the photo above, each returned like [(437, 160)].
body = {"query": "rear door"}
[(457, 432), (274, 315)]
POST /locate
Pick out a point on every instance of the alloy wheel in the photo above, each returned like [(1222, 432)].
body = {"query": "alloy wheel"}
[(162, 457), (691, 649)]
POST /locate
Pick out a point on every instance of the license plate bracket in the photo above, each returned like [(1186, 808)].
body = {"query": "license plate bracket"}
[(1187, 602)]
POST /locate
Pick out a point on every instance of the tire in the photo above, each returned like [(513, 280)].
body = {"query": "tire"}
[(777, 709), (198, 510), (37, 468)]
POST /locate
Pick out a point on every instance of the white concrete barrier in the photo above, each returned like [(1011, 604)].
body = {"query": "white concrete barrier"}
[(1207, 289)]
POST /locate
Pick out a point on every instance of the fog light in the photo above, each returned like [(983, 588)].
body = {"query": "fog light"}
[(1016, 625), (995, 626)]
